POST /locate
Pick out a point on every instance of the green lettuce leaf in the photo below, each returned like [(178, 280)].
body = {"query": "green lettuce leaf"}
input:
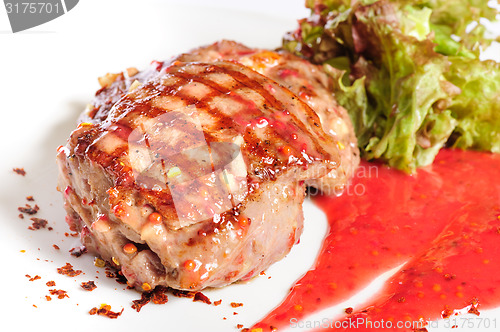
[(477, 107), (408, 73)]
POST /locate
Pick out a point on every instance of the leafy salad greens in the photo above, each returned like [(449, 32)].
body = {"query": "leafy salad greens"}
[(408, 72)]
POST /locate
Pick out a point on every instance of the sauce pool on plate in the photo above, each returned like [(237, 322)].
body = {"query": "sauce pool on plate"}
[(442, 223)]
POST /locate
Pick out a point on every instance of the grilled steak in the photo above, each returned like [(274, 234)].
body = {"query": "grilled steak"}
[(192, 174), (307, 81)]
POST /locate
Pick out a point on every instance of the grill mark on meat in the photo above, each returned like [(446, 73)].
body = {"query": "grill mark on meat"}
[(222, 119), (242, 81), (245, 80)]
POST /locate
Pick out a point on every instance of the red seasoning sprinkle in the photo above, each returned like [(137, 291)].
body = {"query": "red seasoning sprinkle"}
[(239, 326), (30, 198), (138, 304), (28, 209), (34, 278), (21, 216), (200, 297), (105, 310), (48, 298), (88, 286), (216, 303), (160, 295), (19, 171), (38, 223), (61, 294), (236, 305), (56, 247), (68, 270), (50, 283)]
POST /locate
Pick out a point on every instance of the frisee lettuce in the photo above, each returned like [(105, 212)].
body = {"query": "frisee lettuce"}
[(410, 74)]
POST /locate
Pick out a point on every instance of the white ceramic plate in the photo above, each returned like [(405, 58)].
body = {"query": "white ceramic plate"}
[(47, 76)]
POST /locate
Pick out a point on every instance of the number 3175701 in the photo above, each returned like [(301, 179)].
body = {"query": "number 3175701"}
[(471, 322), (32, 7)]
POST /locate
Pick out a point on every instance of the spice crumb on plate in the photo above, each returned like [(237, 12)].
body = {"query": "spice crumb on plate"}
[(236, 305), (105, 310), (38, 223), (89, 285), (33, 278), (200, 297), (20, 171), (68, 270), (61, 294), (28, 209)]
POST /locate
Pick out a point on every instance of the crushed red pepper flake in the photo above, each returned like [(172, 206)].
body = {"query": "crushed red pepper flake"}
[(21, 216), (50, 283), (200, 297), (235, 313), (138, 304), (48, 298), (447, 312), (239, 326), (61, 294), (473, 310), (38, 223), (68, 270), (89, 285), (28, 209), (218, 302), (19, 171), (105, 310), (30, 198), (236, 305), (160, 295), (34, 278), (56, 247), (349, 310)]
